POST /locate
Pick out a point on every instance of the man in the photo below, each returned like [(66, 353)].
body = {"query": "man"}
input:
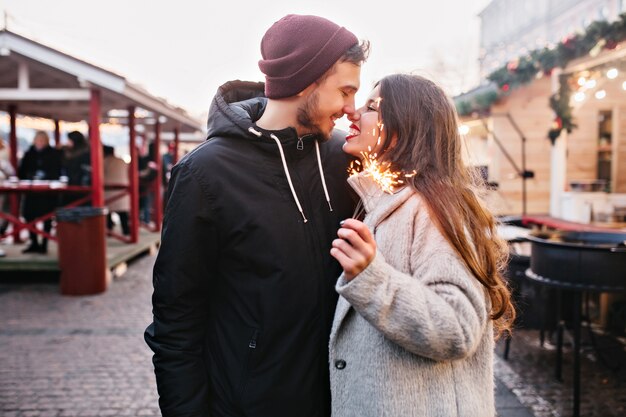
[(40, 162), (244, 283)]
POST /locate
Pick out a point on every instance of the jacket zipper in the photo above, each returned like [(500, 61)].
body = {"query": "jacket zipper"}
[(244, 376), (252, 344), (300, 144), (314, 231)]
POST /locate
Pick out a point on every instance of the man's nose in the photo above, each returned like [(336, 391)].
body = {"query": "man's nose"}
[(351, 112)]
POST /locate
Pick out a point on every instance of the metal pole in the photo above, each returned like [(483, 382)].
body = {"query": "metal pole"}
[(519, 132), (13, 136), (97, 173), (133, 177), (158, 199), (14, 199), (57, 133), (176, 144), (576, 382)]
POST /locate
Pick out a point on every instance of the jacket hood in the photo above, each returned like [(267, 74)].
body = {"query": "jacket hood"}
[(235, 108)]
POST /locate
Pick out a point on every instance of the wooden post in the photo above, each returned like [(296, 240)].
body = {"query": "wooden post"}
[(133, 177), (97, 172), (558, 159)]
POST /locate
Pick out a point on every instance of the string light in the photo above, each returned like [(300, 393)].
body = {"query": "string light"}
[(612, 73), (590, 84), (600, 94)]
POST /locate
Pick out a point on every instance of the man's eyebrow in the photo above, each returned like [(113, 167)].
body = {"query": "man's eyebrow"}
[(352, 88)]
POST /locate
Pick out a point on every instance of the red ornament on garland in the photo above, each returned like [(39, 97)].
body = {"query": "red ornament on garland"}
[(511, 66)]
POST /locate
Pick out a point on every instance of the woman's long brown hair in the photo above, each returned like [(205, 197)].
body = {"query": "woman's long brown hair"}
[(418, 113)]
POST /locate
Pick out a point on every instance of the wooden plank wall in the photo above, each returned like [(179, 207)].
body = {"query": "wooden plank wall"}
[(529, 107)]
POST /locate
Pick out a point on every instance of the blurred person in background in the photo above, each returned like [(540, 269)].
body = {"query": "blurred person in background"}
[(6, 171), (147, 175), (40, 162), (116, 173), (77, 159)]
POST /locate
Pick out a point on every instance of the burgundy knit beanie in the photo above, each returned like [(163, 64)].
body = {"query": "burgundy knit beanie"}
[(297, 50)]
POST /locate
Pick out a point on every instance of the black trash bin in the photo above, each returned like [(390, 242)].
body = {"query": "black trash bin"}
[(82, 250)]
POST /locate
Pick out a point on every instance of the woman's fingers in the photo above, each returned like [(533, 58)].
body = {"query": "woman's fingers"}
[(351, 268), (355, 248), (360, 228), (359, 237)]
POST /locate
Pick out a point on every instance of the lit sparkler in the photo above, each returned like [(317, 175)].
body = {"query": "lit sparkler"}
[(379, 171)]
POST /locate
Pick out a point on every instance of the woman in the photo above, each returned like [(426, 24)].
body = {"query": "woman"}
[(420, 298)]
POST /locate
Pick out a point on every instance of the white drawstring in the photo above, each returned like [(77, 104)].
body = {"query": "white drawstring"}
[(286, 169), (319, 164), (293, 192), (255, 132)]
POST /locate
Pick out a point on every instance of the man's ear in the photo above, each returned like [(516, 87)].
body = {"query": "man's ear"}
[(307, 91)]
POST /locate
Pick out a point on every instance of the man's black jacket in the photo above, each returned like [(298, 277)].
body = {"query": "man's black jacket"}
[(243, 287)]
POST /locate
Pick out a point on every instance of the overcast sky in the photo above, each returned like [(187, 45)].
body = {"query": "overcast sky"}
[(183, 50)]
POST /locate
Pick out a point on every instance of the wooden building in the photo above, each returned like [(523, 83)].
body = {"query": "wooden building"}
[(513, 137)]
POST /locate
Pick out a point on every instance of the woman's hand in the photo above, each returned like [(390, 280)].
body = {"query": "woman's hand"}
[(355, 249)]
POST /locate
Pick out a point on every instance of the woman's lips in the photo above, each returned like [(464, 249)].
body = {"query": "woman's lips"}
[(354, 131)]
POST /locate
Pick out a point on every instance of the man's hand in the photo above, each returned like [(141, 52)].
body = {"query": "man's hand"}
[(355, 249)]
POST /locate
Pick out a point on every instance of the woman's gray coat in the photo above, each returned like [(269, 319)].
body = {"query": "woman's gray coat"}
[(411, 334)]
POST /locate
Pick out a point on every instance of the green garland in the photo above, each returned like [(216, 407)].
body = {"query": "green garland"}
[(599, 35)]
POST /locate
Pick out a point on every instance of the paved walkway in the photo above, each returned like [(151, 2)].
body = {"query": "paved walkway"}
[(85, 356)]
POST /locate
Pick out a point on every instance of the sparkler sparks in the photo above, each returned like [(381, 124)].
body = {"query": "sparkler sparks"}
[(380, 172)]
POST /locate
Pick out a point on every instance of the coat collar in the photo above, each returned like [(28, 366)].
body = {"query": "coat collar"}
[(378, 203)]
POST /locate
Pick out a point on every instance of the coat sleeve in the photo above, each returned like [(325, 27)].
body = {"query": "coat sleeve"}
[(182, 274), (439, 312)]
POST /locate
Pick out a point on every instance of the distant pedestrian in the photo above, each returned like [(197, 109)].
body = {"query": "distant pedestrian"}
[(148, 173), (116, 173), (6, 171), (77, 159), (76, 164), (40, 162)]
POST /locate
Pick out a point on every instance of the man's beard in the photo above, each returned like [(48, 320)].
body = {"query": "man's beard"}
[(307, 113)]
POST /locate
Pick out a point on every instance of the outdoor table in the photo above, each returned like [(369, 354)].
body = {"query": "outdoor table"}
[(560, 224), (40, 187), (578, 263)]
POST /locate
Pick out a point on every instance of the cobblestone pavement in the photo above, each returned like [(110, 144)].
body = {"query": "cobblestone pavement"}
[(531, 369), (77, 356), (85, 356)]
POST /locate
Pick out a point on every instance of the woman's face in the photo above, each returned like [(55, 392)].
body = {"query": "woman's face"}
[(367, 131)]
